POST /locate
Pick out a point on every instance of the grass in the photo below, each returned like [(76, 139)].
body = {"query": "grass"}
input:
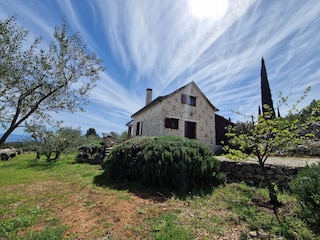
[(60, 200)]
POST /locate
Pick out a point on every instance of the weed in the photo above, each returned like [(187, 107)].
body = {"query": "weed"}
[(53, 233), (166, 227)]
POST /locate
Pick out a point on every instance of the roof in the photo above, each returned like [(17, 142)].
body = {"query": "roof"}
[(160, 98), (130, 123)]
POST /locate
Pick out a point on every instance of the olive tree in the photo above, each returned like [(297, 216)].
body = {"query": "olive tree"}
[(52, 143), (36, 81)]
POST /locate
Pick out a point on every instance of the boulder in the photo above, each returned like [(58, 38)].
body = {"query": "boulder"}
[(8, 153)]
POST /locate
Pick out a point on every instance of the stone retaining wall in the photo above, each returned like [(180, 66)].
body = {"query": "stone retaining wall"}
[(251, 173)]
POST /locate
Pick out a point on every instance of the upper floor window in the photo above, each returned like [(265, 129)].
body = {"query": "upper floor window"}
[(187, 99), (172, 123)]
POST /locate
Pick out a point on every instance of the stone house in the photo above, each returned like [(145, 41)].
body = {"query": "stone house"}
[(186, 112)]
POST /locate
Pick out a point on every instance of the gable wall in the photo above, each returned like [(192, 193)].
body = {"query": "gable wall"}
[(152, 123), (171, 107)]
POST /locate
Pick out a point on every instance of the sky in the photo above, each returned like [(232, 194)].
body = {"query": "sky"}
[(165, 44)]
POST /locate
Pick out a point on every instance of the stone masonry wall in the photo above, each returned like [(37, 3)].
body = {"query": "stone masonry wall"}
[(153, 118), (251, 173)]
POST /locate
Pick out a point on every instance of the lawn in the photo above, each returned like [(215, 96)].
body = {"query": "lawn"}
[(64, 200)]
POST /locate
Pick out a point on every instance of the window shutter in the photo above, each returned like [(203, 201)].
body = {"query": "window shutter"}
[(141, 125), (175, 123), (184, 98), (138, 129), (192, 101), (167, 122)]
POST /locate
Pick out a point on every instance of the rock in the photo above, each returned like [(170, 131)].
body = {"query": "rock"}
[(8, 153), (253, 234)]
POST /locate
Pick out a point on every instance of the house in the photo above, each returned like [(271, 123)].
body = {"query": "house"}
[(185, 112)]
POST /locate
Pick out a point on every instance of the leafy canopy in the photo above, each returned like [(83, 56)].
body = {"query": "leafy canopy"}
[(263, 137), (35, 82)]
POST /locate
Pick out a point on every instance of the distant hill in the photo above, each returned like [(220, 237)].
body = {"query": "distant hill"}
[(16, 138)]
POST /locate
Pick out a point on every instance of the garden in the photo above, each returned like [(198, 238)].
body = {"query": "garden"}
[(68, 200)]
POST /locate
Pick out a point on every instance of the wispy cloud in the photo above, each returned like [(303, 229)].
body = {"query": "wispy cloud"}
[(159, 39), (159, 44)]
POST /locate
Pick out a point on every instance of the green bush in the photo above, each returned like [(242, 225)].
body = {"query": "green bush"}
[(91, 153), (173, 162), (307, 189)]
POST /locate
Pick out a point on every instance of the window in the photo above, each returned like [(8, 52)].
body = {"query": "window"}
[(187, 99), (172, 123), (139, 129)]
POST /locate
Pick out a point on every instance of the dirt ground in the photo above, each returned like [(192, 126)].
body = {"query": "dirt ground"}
[(91, 212)]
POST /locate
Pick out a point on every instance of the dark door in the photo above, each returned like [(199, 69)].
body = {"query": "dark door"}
[(190, 129)]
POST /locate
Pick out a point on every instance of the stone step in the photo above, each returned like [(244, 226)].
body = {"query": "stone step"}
[(108, 150)]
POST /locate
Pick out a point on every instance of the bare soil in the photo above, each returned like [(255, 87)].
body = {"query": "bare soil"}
[(91, 212)]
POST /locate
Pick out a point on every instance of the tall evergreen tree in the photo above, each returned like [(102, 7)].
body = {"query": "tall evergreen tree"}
[(265, 90), (279, 115)]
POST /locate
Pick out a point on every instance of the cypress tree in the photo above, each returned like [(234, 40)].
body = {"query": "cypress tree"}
[(279, 115), (265, 90)]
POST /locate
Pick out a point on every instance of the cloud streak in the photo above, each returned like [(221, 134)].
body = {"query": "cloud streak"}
[(159, 44)]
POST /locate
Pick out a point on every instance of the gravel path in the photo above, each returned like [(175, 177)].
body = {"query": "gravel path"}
[(286, 161)]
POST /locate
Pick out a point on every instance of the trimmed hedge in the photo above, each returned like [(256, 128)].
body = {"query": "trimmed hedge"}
[(173, 162), (306, 186)]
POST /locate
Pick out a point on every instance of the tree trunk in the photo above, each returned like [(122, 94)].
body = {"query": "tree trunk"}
[(38, 155), (272, 192), (6, 135), (58, 153), (48, 155)]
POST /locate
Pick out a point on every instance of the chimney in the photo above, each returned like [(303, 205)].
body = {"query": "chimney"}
[(148, 96)]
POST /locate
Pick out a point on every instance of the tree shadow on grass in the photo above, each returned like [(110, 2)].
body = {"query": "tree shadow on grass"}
[(155, 194), (38, 165)]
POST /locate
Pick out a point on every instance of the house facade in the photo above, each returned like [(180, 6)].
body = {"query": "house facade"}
[(186, 112)]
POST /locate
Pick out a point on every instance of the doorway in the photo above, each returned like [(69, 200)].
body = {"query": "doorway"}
[(190, 129)]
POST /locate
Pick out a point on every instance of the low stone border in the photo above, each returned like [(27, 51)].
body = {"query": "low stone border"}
[(251, 173)]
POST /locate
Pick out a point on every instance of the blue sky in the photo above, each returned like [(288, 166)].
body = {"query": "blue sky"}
[(165, 44)]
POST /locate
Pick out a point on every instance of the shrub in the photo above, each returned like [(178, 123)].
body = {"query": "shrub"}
[(173, 162), (91, 153), (307, 189)]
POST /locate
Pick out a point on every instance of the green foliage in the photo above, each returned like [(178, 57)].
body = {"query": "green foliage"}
[(54, 233), (91, 132), (123, 135), (307, 189), (309, 113), (91, 153), (249, 205), (47, 142), (166, 228), (12, 225), (36, 82), (119, 136), (267, 134), (32, 191), (35, 194), (173, 162), (232, 147), (91, 139)]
